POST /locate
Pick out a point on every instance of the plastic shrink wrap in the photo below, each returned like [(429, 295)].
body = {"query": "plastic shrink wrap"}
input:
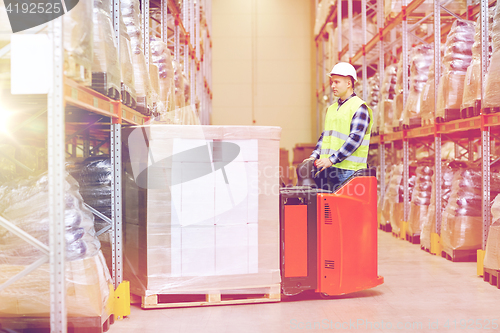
[(393, 7), (78, 42), (421, 197), (106, 77), (429, 225), (229, 230), (427, 102), (357, 35), (387, 94), (392, 209), (7, 167), (180, 98), (373, 99), (161, 57), (382, 219), (94, 176), (492, 255), (462, 225), (473, 76), (492, 89), (420, 61), (25, 203), (322, 11), (397, 109), (330, 57), (77, 39), (456, 60), (131, 16), (129, 96)]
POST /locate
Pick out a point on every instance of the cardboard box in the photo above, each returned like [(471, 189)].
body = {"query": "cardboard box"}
[(210, 216)]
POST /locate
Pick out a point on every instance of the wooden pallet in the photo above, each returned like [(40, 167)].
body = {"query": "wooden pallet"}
[(28, 324), (100, 84), (216, 297), (414, 239), (492, 277), (386, 227), (451, 114), (423, 248), (427, 122), (459, 255), (127, 97), (471, 111), (75, 70), (491, 110)]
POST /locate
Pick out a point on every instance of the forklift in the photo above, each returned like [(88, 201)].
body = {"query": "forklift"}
[(328, 239)]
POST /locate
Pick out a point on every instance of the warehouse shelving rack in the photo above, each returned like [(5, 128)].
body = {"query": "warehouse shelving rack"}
[(457, 131), (70, 105)]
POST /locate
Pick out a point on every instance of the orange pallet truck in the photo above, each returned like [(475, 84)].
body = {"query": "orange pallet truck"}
[(329, 240)]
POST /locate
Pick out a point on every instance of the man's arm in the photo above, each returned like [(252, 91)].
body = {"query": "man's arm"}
[(316, 152), (359, 126)]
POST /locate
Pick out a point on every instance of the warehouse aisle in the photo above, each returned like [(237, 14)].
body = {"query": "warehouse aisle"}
[(419, 290)]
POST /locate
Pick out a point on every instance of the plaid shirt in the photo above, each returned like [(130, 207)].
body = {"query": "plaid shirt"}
[(359, 126)]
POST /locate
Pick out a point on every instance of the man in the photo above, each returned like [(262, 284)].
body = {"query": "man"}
[(343, 146)]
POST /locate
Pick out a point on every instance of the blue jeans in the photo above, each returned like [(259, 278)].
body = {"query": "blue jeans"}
[(333, 177)]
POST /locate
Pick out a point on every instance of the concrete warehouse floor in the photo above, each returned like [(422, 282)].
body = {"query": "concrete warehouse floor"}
[(421, 293)]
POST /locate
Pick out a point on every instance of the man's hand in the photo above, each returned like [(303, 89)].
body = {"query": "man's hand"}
[(323, 163), (309, 159)]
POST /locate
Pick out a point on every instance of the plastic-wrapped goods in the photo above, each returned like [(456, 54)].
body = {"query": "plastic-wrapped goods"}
[(95, 178), (427, 102), (195, 231), (397, 109), (129, 96), (492, 89), (387, 94), (322, 11), (473, 76), (456, 60), (329, 52), (381, 199), (462, 219), (374, 90), (180, 99), (420, 199), (78, 42), (25, 204), (357, 36), (393, 7), (429, 225), (392, 212), (131, 16), (492, 254), (89, 290), (106, 73), (421, 59), (162, 58), (7, 167)]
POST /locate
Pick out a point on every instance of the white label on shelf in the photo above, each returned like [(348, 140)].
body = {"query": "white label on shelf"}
[(31, 64), (96, 102)]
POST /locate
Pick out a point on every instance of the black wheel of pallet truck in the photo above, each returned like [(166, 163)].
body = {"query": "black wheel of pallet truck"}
[(325, 296)]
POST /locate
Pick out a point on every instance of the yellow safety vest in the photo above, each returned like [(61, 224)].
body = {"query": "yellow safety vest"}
[(337, 130)]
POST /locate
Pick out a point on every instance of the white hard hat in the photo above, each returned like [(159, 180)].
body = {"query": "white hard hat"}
[(344, 69)]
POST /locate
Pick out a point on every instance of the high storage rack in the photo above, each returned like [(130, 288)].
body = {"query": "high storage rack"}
[(69, 105), (462, 132)]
